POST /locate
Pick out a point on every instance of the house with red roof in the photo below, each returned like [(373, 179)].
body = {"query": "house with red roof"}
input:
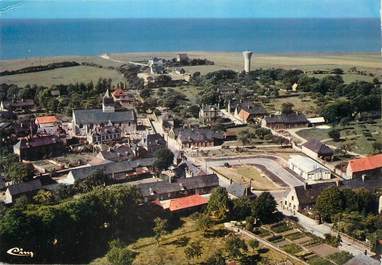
[(183, 204), (46, 121), (366, 166)]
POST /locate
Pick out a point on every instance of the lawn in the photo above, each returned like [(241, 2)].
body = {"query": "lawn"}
[(316, 260), (305, 105), (243, 174), (172, 246), (63, 76), (340, 257), (292, 249), (358, 136)]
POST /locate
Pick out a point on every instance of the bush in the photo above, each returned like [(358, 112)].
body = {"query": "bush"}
[(280, 228)]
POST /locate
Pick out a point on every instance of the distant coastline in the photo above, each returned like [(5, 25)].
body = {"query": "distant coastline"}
[(22, 39)]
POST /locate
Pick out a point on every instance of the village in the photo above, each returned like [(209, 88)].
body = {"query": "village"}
[(176, 157)]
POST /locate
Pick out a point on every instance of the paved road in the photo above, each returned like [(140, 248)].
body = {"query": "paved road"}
[(272, 165)]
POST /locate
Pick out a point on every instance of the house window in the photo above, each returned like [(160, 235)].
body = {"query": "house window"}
[(292, 198)]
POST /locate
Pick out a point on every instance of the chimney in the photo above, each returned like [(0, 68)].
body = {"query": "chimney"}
[(170, 179)]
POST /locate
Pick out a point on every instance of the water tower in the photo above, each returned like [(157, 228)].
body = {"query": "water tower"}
[(247, 61)]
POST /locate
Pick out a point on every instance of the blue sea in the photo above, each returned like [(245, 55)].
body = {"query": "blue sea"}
[(48, 37)]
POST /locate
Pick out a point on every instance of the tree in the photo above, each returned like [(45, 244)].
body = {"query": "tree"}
[(334, 112), (194, 250), (329, 203), (377, 146), (335, 134), (216, 259), (204, 223), (44, 197), (163, 158), (17, 172), (253, 243), (246, 137), (194, 110), (145, 93), (234, 247), (160, 228), (120, 256), (241, 208), (264, 208), (219, 204), (287, 108)]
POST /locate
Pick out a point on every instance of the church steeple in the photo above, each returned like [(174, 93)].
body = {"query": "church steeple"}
[(108, 102)]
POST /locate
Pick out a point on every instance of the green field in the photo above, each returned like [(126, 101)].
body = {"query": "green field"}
[(63, 76), (171, 247), (306, 105), (359, 137)]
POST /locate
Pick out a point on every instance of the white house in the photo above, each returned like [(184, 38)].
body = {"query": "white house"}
[(308, 168)]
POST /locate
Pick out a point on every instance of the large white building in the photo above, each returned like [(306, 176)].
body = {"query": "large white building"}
[(308, 168)]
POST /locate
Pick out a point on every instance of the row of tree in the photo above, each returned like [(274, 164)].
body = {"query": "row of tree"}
[(75, 230)]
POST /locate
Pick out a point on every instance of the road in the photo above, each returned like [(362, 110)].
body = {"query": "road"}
[(271, 165), (107, 57)]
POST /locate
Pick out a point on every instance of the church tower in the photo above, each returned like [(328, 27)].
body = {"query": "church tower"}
[(108, 102)]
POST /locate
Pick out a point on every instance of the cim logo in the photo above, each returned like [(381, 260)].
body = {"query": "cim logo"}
[(20, 252)]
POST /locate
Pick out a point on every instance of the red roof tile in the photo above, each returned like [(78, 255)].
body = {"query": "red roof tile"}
[(244, 115), (366, 163), (187, 202), (46, 119)]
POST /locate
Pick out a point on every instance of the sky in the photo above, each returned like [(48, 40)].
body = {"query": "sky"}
[(188, 8)]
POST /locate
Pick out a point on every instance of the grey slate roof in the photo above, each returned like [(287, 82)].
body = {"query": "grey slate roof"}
[(253, 108), (309, 195), (110, 168), (238, 190), (96, 116), (186, 135), (37, 141), (362, 259), (24, 187), (293, 118), (318, 147), (164, 187)]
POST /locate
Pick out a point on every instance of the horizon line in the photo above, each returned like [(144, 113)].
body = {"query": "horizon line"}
[(169, 18)]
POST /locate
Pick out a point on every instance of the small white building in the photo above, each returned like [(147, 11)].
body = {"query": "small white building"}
[(308, 168)]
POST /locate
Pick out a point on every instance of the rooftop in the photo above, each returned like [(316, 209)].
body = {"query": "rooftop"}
[(46, 119), (36, 141), (318, 147), (96, 116), (306, 164), (187, 135), (164, 187), (286, 118), (187, 202), (366, 163), (25, 187)]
